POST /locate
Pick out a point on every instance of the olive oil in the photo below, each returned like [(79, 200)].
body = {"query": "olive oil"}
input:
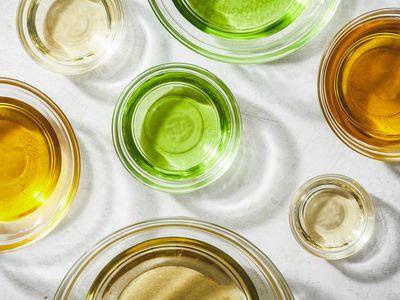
[(176, 129), (363, 83), (180, 129), (240, 19), (173, 269), (30, 159)]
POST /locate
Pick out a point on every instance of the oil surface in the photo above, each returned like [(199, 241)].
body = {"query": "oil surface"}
[(176, 129), (173, 269), (30, 159), (333, 218), (71, 29), (241, 19), (363, 83), (179, 131)]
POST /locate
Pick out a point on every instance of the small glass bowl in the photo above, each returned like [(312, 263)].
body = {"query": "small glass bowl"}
[(35, 225), (198, 140), (346, 128), (307, 211), (31, 22), (97, 269), (281, 41)]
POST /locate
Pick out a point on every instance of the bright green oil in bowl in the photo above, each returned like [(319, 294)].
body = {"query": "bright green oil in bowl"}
[(177, 128), (180, 130), (238, 19)]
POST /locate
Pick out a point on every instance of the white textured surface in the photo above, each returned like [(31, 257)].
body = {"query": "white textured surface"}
[(286, 141)]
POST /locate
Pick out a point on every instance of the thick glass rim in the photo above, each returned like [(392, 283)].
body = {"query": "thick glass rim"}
[(190, 225), (298, 204), (76, 67), (245, 51), (371, 151), (67, 190), (170, 185)]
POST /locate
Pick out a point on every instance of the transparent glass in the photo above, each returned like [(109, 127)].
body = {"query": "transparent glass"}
[(223, 35), (70, 37), (257, 275), (361, 103), (176, 128), (332, 216), (24, 230)]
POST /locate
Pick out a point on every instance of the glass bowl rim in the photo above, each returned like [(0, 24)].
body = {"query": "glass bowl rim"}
[(57, 66), (268, 268), (216, 170), (69, 197), (296, 211), (365, 149), (196, 46)]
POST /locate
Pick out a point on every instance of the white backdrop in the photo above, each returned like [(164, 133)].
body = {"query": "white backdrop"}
[(285, 142)]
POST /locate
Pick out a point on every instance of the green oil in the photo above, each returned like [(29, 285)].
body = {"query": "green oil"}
[(240, 18), (176, 125)]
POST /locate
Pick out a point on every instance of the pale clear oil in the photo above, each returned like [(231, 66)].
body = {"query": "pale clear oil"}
[(71, 30), (333, 218)]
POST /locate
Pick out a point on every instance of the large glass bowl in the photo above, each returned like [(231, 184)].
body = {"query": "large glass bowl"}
[(279, 40), (94, 275)]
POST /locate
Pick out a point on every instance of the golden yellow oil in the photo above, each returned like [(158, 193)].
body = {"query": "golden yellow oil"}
[(173, 269), (363, 83), (30, 159)]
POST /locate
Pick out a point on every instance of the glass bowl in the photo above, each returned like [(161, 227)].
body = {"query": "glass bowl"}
[(187, 246), (70, 37), (269, 33), (40, 164), (176, 128), (332, 216), (358, 85)]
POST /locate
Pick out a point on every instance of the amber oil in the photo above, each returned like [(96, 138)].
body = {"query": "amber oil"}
[(360, 84)]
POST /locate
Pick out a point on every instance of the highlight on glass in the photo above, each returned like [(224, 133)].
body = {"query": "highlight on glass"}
[(176, 128), (40, 164), (237, 31), (70, 36)]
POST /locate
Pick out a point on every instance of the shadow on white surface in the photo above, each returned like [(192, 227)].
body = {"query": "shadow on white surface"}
[(261, 179), (139, 49), (395, 168), (287, 81), (84, 225), (344, 14), (380, 259), (303, 291), (95, 188), (98, 210)]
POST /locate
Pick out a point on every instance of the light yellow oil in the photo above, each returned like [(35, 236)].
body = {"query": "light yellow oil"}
[(333, 218), (30, 159), (72, 29), (173, 269)]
